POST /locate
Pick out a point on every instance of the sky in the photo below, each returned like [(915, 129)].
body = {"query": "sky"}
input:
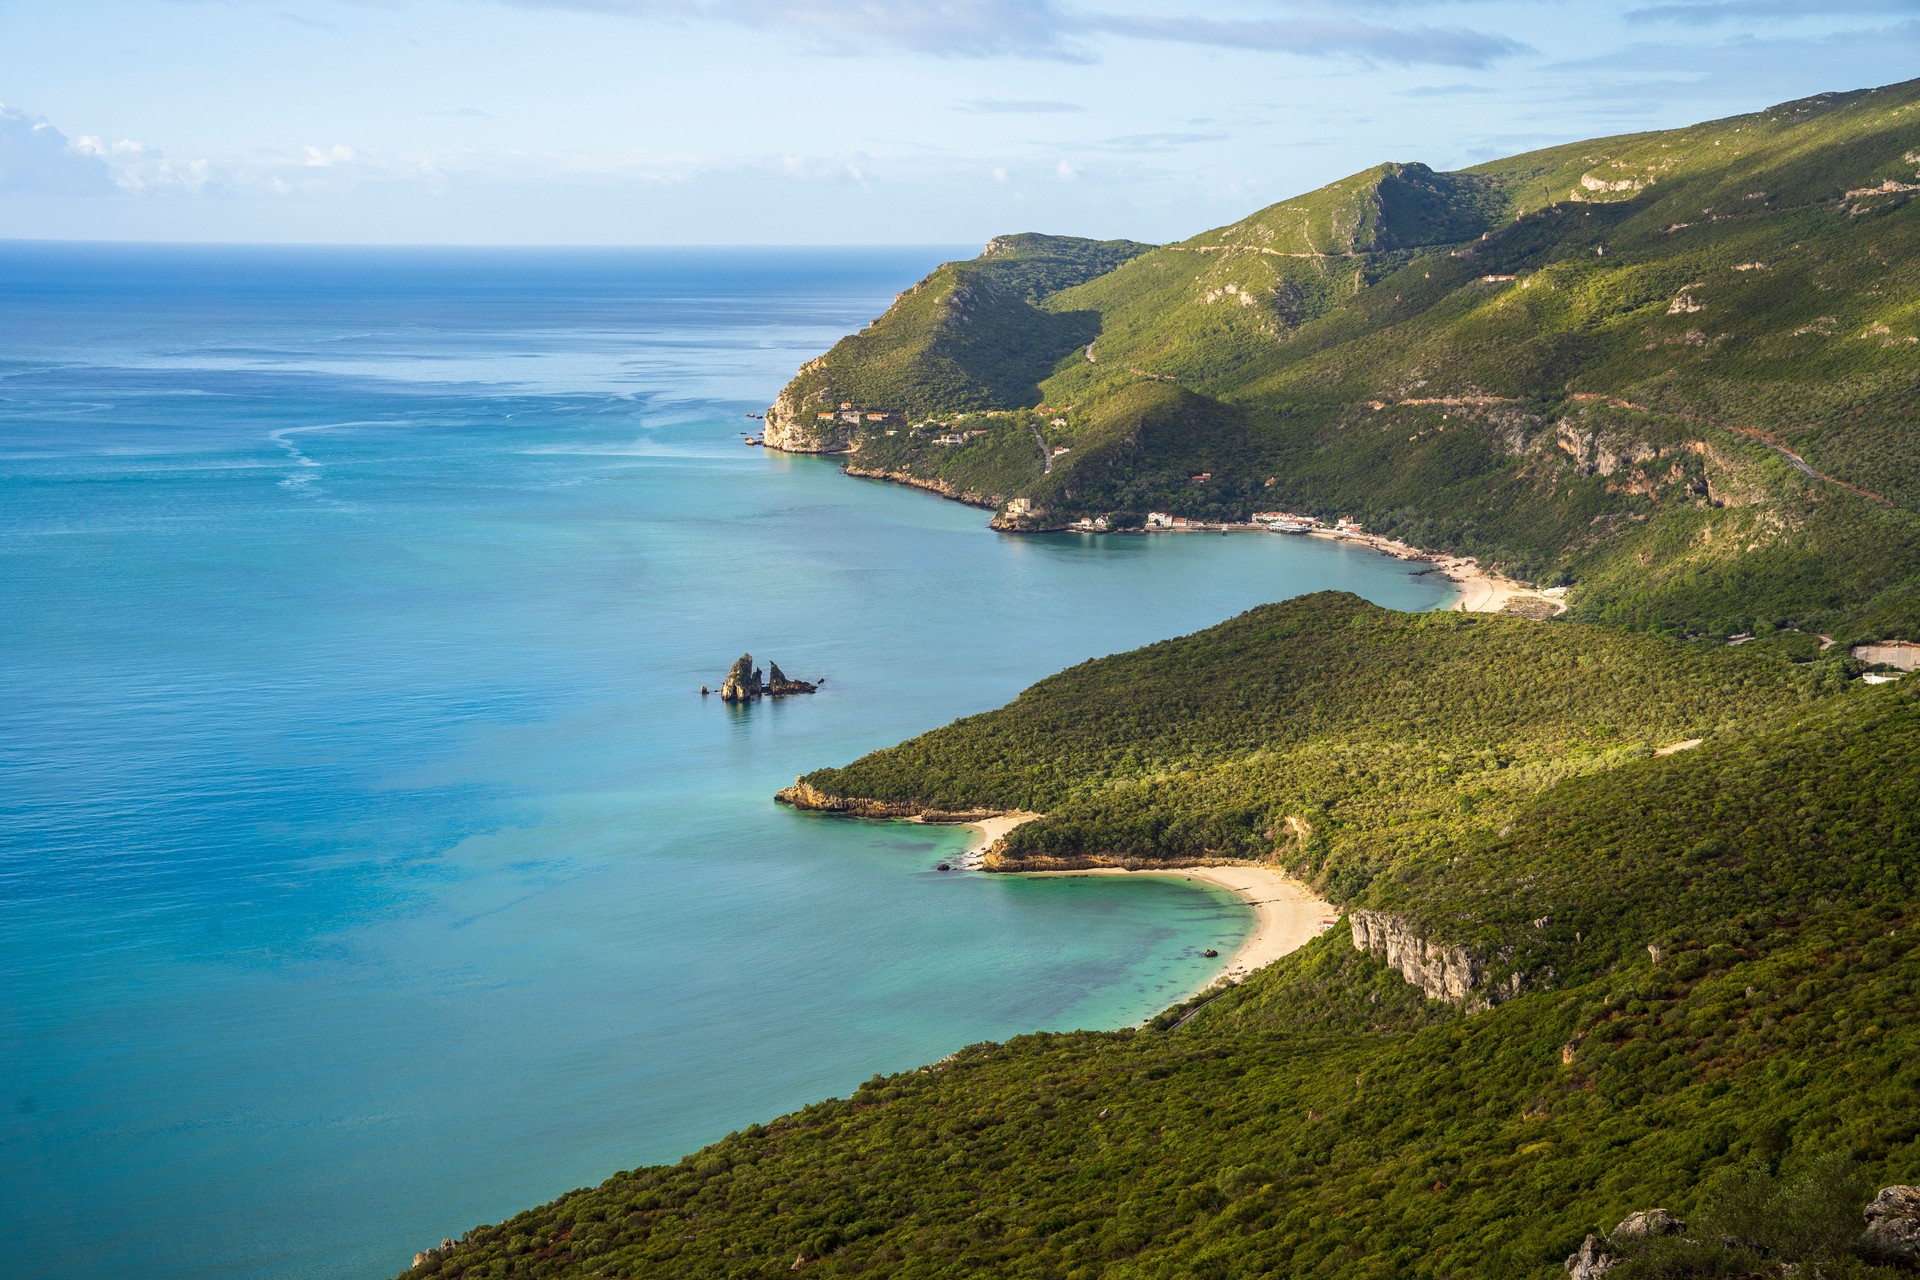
[(581, 122)]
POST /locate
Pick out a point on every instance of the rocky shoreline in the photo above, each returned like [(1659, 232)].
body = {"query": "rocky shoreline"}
[(941, 487), (804, 795)]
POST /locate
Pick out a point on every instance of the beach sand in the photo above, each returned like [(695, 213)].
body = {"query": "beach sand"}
[(1286, 914), (1481, 590), (989, 832)]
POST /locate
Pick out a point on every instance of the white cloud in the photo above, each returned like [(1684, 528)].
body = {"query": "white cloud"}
[(327, 157), (1047, 29), (948, 28), (1323, 37), (818, 170), (36, 157)]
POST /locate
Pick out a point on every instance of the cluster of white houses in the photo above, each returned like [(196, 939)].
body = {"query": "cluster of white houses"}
[(848, 414), (1278, 521)]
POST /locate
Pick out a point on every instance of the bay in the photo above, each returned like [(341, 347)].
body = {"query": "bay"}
[(371, 866)]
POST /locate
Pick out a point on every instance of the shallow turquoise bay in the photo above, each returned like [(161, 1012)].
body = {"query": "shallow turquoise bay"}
[(371, 866)]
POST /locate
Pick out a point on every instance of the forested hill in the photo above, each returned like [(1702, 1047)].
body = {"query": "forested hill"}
[(1675, 370), (1325, 732), (1595, 979), (1627, 915)]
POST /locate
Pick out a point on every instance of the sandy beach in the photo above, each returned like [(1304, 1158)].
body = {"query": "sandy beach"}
[(1481, 590), (989, 831), (1286, 914)]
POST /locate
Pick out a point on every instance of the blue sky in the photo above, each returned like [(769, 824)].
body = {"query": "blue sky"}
[(811, 121)]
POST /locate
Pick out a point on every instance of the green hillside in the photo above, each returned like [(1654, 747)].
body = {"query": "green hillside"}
[(973, 335), (1692, 401), (1703, 970), (1332, 734), (1627, 915)]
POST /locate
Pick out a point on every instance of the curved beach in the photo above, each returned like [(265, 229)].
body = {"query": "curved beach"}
[(1286, 913)]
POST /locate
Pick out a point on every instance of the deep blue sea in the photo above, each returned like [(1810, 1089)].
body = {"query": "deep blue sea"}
[(369, 866)]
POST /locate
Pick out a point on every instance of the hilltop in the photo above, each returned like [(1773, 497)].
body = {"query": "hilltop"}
[(1674, 371)]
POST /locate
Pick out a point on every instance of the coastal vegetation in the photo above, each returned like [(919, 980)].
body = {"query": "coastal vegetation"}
[(1626, 911), (971, 336), (1325, 731)]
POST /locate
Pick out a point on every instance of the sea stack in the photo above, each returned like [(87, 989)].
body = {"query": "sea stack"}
[(743, 683), (779, 684)]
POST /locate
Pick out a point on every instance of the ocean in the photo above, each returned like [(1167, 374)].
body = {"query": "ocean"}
[(370, 865)]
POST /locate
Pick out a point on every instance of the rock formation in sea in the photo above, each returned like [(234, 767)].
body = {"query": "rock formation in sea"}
[(779, 684), (745, 682)]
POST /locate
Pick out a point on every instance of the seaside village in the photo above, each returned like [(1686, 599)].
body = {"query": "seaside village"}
[(1044, 417)]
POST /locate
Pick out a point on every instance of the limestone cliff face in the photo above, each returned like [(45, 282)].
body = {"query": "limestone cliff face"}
[(793, 421), (1443, 973)]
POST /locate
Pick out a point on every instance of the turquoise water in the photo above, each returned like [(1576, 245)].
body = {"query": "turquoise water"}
[(370, 866)]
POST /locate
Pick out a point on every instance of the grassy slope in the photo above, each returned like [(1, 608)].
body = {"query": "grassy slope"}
[(1318, 1121), (1710, 278), (970, 336)]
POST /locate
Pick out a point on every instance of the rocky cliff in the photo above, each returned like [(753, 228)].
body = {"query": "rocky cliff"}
[(793, 421), (780, 684), (1442, 972)]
